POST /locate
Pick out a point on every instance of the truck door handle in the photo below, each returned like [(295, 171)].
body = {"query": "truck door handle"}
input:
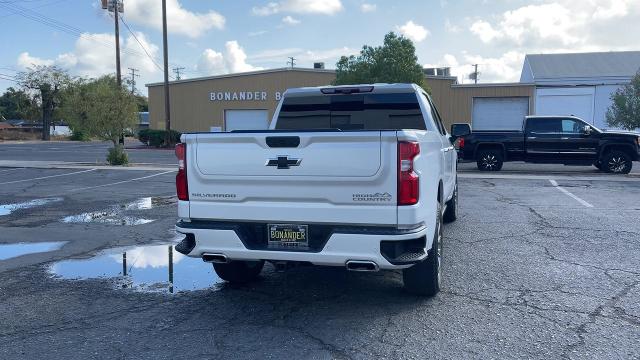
[(446, 149), (564, 138), (531, 138)]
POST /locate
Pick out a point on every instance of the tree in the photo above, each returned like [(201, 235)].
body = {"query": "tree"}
[(18, 104), (100, 108), (625, 111), (47, 82), (393, 62)]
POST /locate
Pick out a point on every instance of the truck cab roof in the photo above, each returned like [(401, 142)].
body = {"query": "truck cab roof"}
[(377, 88)]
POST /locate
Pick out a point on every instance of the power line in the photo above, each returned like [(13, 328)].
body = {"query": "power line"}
[(141, 45), (177, 71), (68, 29), (133, 79), (292, 61)]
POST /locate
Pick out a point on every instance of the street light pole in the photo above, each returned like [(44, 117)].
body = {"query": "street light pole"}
[(167, 106)]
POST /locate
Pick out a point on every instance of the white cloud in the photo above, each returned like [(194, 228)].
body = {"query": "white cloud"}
[(289, 20), (179, 20), (233, 60), (323, 7), (303, 57), (257, 33), (413, 31), (366, 8), (505, 68), (25, 61), (93, 56), (450, 27)]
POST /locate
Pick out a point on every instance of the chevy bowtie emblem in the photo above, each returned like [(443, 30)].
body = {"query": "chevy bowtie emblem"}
[(283, 162)]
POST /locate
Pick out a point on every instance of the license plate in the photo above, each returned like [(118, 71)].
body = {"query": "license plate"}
[(291, 236)]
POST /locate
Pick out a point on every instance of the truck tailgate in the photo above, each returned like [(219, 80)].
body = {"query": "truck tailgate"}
[(327, 178)]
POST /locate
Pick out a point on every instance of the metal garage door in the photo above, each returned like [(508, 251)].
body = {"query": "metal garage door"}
[(576, 101), (246, 119), (506, 113)]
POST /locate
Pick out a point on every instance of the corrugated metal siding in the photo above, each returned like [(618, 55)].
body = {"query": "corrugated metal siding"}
[(192, 110), (455, 102)]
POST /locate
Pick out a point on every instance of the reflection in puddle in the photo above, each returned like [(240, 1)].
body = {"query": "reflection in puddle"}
[(106, 217), (9, 208), (114, 215), (150, 269), (8, 251), (149, 203)]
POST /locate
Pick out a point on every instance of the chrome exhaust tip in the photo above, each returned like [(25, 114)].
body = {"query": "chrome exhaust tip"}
[(362, 265), (215, 258)]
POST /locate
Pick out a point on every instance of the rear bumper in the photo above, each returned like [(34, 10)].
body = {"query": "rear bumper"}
[(359, 244)]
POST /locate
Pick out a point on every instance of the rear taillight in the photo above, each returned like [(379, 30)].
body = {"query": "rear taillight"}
[(460, 143), (181, 179), (408, 180)]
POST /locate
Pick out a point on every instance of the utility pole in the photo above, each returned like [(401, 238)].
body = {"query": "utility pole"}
[(167, 106), (177, 70), (292, 61), (133, 79), (475, 73), (117, 6)]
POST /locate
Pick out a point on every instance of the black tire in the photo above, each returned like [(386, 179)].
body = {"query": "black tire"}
[(239, 272), (490, 160), (617, 162), (425, 277), (451, 213)]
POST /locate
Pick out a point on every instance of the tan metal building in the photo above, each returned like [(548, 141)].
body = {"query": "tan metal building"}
[(229, 102), (248, 100), (482, 105)]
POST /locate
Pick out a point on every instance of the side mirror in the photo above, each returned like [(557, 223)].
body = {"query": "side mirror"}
[(458, 130), (587, 130)]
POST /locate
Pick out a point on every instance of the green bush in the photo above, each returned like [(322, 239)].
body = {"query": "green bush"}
[(78, 135), (117, 156), (157, 138)]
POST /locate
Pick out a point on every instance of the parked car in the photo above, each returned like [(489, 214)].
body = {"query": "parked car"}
[(361, 177), (550, 140)]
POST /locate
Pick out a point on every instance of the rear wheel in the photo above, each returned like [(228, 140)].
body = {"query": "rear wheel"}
[(490, 160), (617, 162), (425, 277), (239, 271), (451, 213)]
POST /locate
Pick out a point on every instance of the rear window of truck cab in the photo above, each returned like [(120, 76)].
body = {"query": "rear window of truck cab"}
[(388, 111)]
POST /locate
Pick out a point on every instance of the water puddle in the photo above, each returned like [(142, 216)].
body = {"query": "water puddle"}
[(157, 268), (115, 214), (8, 251), (148, 203), (9, 208), (106, 217)]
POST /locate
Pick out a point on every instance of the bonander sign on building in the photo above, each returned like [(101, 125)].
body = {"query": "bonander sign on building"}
[(229, 102)]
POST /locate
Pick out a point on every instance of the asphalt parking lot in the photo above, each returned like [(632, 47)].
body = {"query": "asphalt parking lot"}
[(538, 266)]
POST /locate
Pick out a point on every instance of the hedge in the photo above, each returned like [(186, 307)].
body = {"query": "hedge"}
[(157, 138)]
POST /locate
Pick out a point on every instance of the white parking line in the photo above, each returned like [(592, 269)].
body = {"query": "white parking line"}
[(566, 192), (122, 182), (46, 177)]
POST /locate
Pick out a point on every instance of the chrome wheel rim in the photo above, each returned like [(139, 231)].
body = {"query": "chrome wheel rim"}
[(489, 161), (617, 164)]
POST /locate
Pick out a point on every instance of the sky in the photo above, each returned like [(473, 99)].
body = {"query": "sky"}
[(211, 37)]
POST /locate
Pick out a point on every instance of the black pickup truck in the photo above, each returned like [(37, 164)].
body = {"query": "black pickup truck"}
[(549, 140)]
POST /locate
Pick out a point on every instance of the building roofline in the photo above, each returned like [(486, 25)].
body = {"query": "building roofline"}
[(583, 53), (481, 85), (438, 77), (248, 73)]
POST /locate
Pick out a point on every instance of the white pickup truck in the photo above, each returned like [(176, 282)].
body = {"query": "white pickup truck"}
[(355, 176)]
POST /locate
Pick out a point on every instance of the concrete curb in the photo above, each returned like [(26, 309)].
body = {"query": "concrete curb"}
[(71, 165)]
